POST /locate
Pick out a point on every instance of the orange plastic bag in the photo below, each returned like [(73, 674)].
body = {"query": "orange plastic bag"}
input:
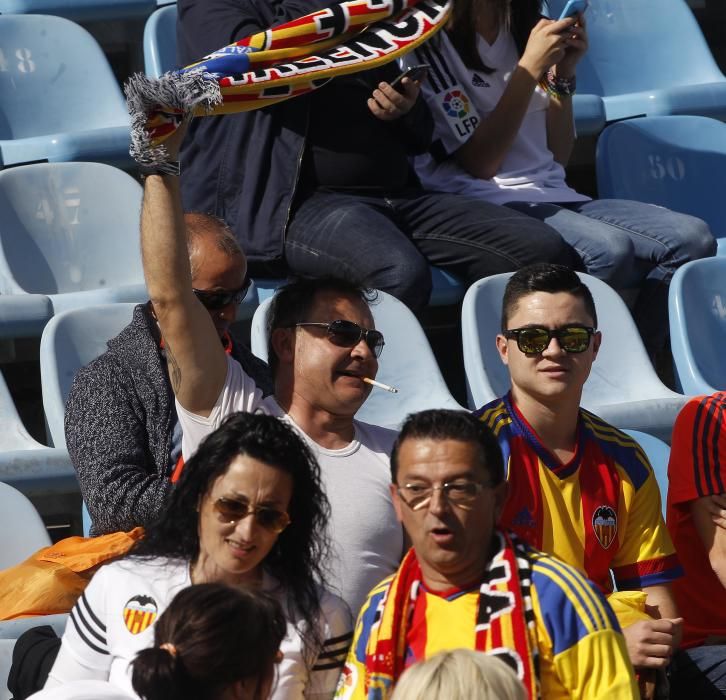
[(53, 579)]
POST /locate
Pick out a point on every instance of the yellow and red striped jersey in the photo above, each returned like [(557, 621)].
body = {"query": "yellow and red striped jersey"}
[(599, 512), (581, 651)]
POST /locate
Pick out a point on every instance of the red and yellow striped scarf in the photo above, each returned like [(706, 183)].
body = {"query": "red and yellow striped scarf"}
[(279, 63), (504, 623)]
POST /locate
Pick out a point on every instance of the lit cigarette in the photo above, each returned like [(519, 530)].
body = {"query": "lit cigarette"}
[(380, 385)]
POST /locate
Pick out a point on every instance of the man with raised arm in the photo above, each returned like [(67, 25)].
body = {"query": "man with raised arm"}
[(467, 584), (578, 487), (121, 426), (323, 345)]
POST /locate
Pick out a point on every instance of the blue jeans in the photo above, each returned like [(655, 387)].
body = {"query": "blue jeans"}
[(387, 242), (699, 673), (630, 244)]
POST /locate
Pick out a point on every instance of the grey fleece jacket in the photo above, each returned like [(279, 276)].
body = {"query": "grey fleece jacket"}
[(119, 422)]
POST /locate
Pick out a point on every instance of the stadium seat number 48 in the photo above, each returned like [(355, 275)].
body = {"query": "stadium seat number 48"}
[(21, 60)]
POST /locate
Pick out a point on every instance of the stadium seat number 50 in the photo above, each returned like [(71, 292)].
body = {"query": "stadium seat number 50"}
[(22, 60), (670, 167)]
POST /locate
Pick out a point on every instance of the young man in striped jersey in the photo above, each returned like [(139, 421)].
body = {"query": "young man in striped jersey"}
[(465, 584), (697, 522), (578, 487)]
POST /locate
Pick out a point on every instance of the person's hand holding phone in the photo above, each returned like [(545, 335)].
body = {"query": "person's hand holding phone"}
[(576, 37), (391, 101), (546, 46), (576, 48)]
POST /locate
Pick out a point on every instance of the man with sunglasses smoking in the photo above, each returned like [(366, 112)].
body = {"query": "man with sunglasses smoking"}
[(323, 348), (578, 487), (122, 430)]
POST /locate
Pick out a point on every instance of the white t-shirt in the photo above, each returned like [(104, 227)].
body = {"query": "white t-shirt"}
[(114, 619), (367, 538), (459, 98)]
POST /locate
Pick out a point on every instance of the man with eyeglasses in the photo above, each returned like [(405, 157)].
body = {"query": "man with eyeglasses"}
[(121, 426), (323, 351), (578, 487), (467, 584)]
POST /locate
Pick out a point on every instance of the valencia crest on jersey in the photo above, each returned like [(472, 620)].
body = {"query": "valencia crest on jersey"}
[(605, 525), (139, 613)]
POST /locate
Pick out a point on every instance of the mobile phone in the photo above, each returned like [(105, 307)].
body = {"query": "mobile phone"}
[(413, 73), (573, 7)]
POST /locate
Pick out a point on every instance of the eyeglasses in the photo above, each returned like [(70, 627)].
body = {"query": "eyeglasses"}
[(533, 340), (346, 334), (460, 493), (233, 511), (213, 301)]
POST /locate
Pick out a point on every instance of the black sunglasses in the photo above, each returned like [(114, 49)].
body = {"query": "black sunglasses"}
[(346, 334), (232, 511), (218, 300), (532, 340)]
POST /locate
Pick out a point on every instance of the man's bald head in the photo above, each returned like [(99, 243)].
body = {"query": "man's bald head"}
[(205, 230)]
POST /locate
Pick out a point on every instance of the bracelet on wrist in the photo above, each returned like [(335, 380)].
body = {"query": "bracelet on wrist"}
[(169, 167), (557, 86)]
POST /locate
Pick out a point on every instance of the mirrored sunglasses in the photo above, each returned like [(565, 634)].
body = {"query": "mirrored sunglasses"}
[(533, 340), (232, 511), (214, 301), (346, 334)]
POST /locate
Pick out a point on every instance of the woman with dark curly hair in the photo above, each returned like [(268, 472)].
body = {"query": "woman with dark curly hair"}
[(248, 511)]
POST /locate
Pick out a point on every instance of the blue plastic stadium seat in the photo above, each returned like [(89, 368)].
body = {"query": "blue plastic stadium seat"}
[(70, 341), (623, 387), (160, 42), (658, 454), (407, 363), (267, 286), (68, 238), (80, 10), (677, 162), (59, 100), (633, 63), (697, 308), (12, 629), (17, 515), (24, 315), (589, 114), (447, 289), (27, 465)]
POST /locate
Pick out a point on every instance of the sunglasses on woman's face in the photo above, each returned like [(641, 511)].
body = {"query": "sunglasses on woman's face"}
[(213, 301), (532, 340), (346, 334), (232, 511)]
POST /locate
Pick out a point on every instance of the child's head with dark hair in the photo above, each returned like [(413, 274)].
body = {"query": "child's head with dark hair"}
[(210, 637)]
